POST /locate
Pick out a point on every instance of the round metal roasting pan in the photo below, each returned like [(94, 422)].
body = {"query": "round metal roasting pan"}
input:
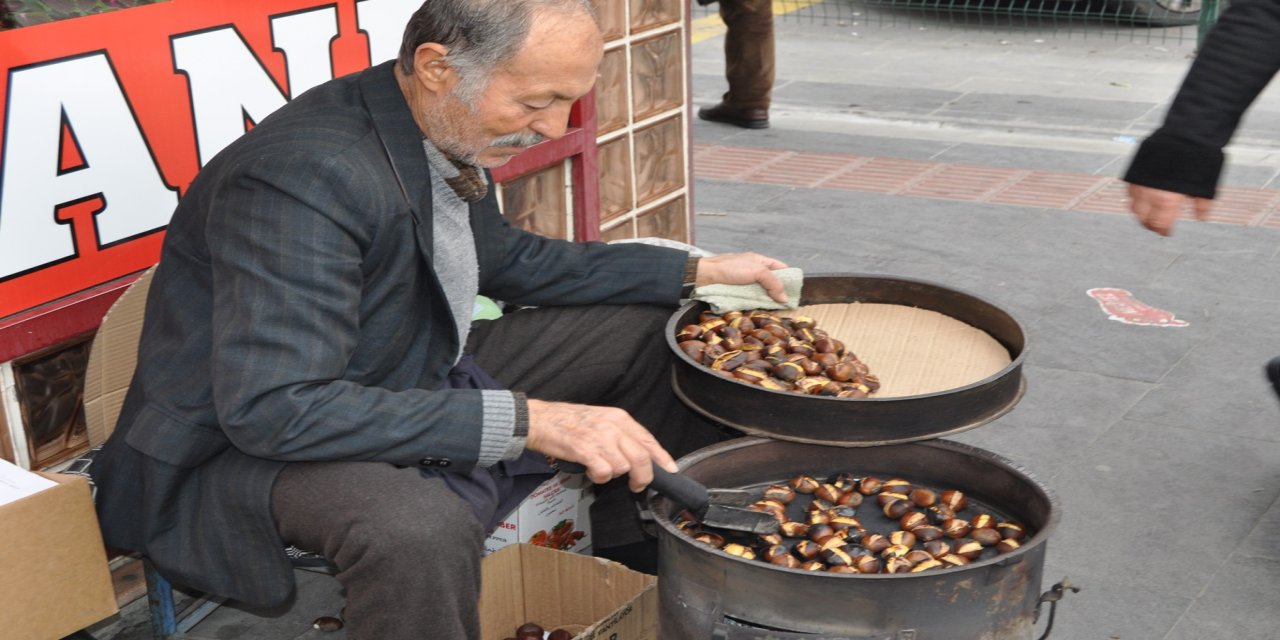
[(848, 422), (707, 593)]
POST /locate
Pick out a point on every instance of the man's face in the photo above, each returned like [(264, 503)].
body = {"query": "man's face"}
[(527, 98)]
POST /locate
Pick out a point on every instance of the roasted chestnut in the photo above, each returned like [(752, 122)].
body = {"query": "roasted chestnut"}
[(956, 528), (885, 497), (814, 565), (983, 521), (968, 548), (828, 492), (806, 550), (867, 564), (780, 492), (740, 550), (916, 556), (804, 484), (937, 548), (529, 631), (985, 537), (927, 565), (897, 485), (842, 569), (912, 520), (837, 557), (1007, 545), (870, 486), (955, 499), (1011, 530), (927, 532), (905, 538), (820, 532), (709, 538), (923, 497), (954, 560), (850, 499), (896, 509), (895, 551), (875, 542), (897, 565), (940, 513), (792, 529)]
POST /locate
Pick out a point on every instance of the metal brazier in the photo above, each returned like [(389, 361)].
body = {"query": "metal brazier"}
[(707, 593)]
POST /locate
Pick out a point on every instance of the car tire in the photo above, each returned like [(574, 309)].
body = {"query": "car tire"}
[(1160, 13)]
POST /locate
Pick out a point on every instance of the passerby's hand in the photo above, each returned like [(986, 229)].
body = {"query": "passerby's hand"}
[(605, 440), (1158, 210), (743, 268)]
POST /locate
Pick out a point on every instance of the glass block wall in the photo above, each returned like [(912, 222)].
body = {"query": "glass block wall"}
[(641, 120), (641, 154)]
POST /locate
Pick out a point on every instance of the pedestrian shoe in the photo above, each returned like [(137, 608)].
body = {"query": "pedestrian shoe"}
[(745, 118), (1273, 374)]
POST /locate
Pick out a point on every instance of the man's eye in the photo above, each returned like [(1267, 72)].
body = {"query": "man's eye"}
[(536, 106)]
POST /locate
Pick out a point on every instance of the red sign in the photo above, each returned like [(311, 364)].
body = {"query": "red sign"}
[(108, 117)]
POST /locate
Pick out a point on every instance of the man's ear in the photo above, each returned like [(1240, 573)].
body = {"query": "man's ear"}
[(431, 68)]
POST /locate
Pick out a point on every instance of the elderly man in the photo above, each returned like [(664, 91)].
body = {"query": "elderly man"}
[(309, 373)]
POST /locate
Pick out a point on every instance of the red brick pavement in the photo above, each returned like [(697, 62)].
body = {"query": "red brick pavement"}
[(948, 181)]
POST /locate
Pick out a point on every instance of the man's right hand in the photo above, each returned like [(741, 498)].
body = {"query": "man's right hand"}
[(605, 440), (1157, 209)]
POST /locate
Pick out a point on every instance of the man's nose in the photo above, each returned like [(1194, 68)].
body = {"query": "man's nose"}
[(553, 121)]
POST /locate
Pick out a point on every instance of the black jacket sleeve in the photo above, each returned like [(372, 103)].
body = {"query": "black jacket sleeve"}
[(1235, 63)]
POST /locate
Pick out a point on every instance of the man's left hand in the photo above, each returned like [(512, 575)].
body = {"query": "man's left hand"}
[(743, 268)]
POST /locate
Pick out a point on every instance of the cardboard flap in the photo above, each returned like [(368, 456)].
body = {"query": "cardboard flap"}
[(112, 359)]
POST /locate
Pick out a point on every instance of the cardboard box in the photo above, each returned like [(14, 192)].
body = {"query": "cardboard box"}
[(54, 578), (556, 515), (593, 598)]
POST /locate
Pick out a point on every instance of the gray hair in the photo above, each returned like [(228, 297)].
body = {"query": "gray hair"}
[(480, 34)]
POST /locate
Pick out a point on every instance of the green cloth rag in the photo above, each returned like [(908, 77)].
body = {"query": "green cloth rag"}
[(740, 297)]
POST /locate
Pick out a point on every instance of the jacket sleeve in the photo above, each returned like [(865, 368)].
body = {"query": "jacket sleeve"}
[(535, 270), (1235, 63)]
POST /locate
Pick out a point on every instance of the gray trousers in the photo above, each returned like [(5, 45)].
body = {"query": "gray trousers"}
[(406, 547)]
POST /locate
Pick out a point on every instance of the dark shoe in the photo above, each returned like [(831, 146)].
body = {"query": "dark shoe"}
[(745, 118), (1273, 374)]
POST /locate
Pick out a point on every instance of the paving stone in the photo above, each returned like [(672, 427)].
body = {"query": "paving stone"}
[(1246, 586), (1121, 505), (1107, 607)]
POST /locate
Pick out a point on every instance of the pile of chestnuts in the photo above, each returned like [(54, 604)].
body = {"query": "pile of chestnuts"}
[(775, 352), (534, 631), (862, 524)]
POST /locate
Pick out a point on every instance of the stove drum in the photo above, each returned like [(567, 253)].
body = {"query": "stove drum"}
[(707, 593)]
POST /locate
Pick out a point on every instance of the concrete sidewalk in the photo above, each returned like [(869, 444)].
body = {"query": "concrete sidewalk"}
[(1161, 443)]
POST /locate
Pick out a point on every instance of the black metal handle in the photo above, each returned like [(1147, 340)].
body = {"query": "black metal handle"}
[(1052, 596), (684, 490)]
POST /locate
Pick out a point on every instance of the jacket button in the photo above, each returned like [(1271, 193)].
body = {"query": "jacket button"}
[(426, 462), (443, 462)]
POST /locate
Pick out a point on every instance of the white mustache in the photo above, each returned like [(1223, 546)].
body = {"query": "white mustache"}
[(518, 140)]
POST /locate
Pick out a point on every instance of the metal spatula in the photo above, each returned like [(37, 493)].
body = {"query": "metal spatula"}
[(719, 508)]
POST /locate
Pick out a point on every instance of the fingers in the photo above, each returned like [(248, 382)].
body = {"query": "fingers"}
[(605, 440), (1155, 209), (1202, 208), (773, 286)]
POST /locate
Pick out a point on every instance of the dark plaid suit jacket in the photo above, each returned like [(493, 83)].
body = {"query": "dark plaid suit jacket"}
[(295, 316)]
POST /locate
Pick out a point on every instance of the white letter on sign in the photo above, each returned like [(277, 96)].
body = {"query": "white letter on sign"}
[(383, 22), (228, 84), (85, 93), (304, 37)]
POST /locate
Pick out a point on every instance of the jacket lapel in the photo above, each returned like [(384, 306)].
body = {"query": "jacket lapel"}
[(402, 140)]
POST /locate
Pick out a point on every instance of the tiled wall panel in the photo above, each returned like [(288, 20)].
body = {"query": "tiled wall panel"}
[(660, 160), (538, 202)]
